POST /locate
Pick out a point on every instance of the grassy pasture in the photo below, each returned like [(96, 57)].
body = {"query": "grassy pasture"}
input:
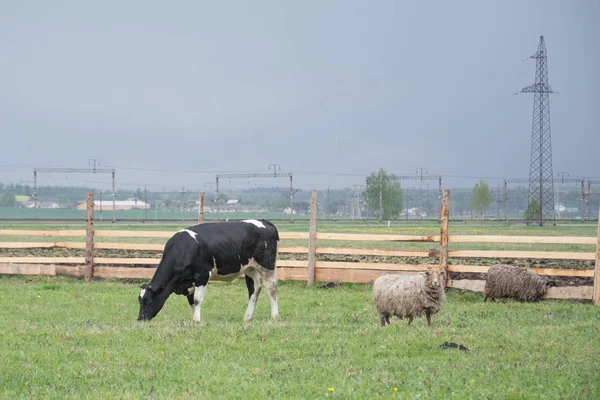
[(62, 338)]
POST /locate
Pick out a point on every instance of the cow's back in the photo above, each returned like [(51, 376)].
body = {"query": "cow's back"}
[(233, 244)]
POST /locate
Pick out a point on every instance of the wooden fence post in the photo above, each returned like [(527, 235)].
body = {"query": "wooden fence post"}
[(444, 217), (312, 239), (201, 208), (596, 295), (89, 238)]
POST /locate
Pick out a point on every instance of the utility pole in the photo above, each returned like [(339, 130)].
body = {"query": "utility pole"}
[(94, 161), (217, 197), (407, 203), (100, 205), (356, 201), (201, 208), (292, 193), (561, 174), (183, 203), (541, 179), (367, 197), (505, 203), (35, 196), (145, 205), (292, 199), (380, 194), (582, 201)]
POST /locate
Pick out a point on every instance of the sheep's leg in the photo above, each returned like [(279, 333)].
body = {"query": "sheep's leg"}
[(485, 299), (410, 320), (428, 316), (382, 320), (387, 319)]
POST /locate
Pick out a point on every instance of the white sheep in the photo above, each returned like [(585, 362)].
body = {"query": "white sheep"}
[(395, 295)]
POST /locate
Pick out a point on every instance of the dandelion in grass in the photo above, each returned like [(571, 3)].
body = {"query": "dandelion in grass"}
[(331, 390), (299, 359), (320, 304), (395, 389), (39, 297)]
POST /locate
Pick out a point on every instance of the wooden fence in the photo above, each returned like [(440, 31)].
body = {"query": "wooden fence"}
[(309, 268)]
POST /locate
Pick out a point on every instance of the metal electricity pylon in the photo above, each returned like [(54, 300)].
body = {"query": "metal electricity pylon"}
[(541, 183)]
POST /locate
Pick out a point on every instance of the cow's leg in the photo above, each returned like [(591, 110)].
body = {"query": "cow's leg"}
[(190, 297), (199, 293), (270, 279), (253, 285)]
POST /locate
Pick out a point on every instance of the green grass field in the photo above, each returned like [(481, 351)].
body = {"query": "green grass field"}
[(62, 338)]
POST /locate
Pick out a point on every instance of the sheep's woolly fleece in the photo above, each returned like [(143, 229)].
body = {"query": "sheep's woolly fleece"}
[(395, 295), (507, 281)]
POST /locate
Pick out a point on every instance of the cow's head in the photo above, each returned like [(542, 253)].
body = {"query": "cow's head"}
[(151, 302)]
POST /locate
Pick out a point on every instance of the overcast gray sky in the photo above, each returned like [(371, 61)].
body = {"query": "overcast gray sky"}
[(330, 90)]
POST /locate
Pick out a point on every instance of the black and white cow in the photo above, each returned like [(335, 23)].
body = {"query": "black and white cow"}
[(214, 251)]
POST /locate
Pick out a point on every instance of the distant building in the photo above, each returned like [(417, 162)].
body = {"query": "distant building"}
[(41, 204), (107, 205)]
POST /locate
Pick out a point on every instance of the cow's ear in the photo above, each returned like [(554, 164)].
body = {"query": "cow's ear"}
[(145, 286)]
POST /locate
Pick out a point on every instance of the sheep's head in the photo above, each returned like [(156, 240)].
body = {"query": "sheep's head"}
[(434, 278), (551, 283)]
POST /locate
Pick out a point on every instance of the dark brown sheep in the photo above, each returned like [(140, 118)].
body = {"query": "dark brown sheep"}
[(510, 282)]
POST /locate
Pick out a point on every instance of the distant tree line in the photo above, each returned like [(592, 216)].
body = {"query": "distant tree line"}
[(481, 200)]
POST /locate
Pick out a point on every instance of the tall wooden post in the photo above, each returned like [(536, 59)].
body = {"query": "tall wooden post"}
[(201, 208), (444, 217), (312, 239), (89, 238), (597, 270)]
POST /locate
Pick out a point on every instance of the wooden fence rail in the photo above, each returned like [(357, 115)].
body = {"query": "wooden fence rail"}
[(310, 269)]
